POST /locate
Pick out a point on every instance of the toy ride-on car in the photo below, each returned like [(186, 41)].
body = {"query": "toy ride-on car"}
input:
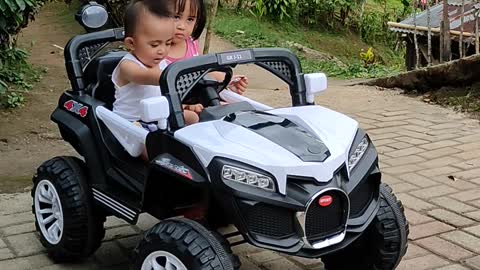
[(302, 180)]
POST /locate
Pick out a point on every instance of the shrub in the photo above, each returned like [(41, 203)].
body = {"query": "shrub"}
[(15, 15), (367, 57), (274, 9)]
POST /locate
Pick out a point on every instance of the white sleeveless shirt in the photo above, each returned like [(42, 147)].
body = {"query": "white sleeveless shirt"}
[(128, 97)]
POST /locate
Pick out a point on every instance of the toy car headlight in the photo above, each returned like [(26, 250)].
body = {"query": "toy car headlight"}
[(358, 152), (247, 177)]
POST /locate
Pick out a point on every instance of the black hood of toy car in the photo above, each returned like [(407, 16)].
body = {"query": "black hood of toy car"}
[(296, 139)]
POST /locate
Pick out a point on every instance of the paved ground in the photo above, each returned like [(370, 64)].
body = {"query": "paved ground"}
[(430, 156)]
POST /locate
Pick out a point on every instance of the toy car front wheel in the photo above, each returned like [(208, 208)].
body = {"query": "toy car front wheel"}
[(382, 245), (69, 227), (180, 244)]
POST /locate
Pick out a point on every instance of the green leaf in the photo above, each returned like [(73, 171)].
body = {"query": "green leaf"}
[(3, 23), (3, 87), (21, 4), (11, 4), (3, 6), (30, 3)]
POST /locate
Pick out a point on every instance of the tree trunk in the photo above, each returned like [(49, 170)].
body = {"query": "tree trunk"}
[(417, 55), (460, 43), (447, 53), (429, 35), (212, 6)]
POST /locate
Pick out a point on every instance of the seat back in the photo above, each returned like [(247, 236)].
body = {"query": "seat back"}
[(99, 74)]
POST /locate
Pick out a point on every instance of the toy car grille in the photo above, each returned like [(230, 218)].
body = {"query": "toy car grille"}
[(267, 220), (186, 80), (324, 221), (85, 54), (362, 196), (280, 67)]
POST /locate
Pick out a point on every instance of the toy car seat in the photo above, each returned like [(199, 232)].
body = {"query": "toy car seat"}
[(99, 74)]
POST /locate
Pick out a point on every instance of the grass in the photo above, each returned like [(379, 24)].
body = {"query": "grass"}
[(246, 31), (464, 99), (394, 6), (66, 12)]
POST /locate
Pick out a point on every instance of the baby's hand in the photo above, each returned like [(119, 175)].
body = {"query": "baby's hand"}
[(197, 108), (238, 84)]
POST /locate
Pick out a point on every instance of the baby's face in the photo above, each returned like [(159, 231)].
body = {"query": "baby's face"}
[(152, 39)]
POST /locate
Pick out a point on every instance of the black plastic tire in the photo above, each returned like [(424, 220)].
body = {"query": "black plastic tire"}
[(191, 243), (226, 245), (83, 228), (382, 245)]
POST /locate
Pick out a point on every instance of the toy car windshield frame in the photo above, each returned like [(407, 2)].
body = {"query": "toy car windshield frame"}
[(178, 79)]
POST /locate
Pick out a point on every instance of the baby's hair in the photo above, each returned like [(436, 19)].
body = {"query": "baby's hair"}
[(198, 7), (160, 8)]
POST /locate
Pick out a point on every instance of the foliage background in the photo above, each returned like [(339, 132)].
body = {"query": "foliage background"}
[(15, 73)]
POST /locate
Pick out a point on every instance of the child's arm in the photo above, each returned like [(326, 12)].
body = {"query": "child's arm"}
[(238, 84), (132, 72)]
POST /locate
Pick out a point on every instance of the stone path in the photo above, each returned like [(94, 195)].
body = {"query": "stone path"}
[(429, 155)]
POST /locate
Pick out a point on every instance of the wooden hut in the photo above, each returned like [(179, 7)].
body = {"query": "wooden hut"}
[(406, 29)]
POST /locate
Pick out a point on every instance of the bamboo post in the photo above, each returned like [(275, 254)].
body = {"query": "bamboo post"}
[(460, 42), (429, 35), (446, 50), (417, 54), (212, 12), (440, 47), (476, 33)]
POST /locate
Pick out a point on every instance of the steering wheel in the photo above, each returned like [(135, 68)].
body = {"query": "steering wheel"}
[(206, 90)]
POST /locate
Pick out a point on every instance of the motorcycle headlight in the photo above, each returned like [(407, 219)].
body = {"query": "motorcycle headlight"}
[(358, 152), (247, 177)]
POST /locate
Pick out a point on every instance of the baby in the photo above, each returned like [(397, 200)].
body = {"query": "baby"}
[(149, 30)]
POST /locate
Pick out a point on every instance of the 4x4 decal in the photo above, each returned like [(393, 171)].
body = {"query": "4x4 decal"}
[(76, 107), (179, 169)]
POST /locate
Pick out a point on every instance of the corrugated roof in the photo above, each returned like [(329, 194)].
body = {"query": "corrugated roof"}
[(436, 15)]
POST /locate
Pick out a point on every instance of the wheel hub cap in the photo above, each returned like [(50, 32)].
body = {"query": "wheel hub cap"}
[(48, 211), (162, 260)]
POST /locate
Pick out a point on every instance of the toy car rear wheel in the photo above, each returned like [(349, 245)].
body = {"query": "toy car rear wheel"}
[(69, 227), (180, 244), (382, 245)]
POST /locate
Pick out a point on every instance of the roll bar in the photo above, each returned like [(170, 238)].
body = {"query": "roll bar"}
[(178, 79), (81, 48)]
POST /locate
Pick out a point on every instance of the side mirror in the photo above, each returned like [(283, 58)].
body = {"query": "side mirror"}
[(92, 16), (156, 109), (315, 83)]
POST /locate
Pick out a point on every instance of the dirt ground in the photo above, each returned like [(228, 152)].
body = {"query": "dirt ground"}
[(28, 137)]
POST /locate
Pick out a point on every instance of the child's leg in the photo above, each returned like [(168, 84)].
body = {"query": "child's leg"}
[(190, 117), (144, 155)]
